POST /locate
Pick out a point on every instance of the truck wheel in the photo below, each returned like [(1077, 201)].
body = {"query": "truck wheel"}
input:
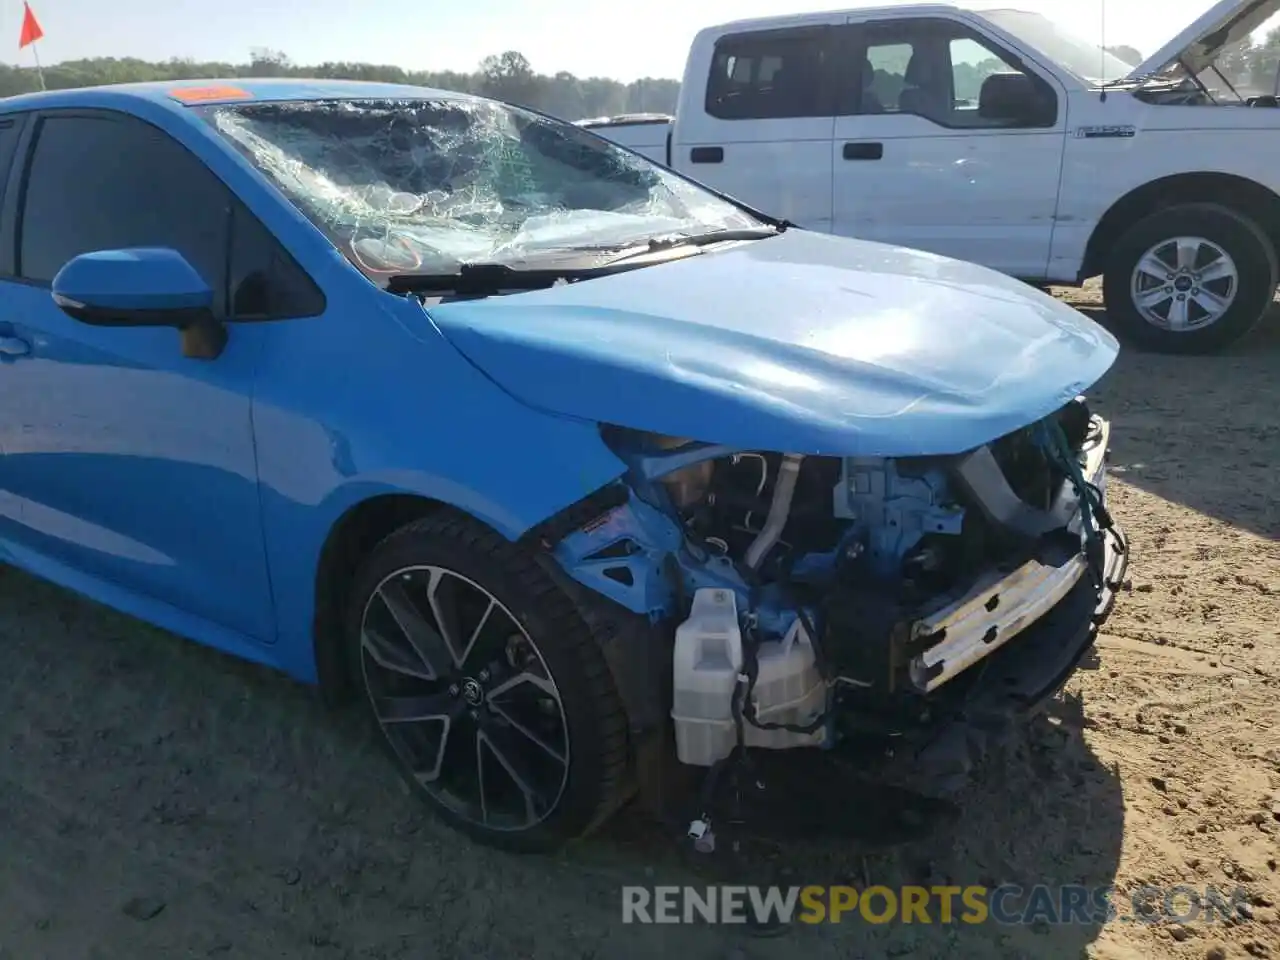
[(490, 691), (1190, 279)]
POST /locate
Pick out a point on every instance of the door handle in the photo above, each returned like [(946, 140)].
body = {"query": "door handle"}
[(11, 347), (706, 155), (864, 150)]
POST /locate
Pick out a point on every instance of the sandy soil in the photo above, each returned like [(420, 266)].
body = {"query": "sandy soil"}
[(160, 800)]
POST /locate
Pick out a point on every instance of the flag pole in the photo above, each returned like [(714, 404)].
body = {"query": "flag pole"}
[(30, 36), (35, 52)]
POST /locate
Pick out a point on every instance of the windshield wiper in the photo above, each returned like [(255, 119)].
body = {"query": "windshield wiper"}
[(675, 241), (483, 278), (712, 236), (486, 278)]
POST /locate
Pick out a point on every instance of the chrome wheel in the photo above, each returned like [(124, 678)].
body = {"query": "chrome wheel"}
[(464, 698), (1184, 283)]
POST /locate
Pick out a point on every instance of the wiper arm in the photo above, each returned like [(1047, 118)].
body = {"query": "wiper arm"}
[(713, 236), (485, 278), (657, 244)]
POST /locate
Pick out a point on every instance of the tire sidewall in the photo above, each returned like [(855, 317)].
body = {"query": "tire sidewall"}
[(454, 547), (1244, 242)]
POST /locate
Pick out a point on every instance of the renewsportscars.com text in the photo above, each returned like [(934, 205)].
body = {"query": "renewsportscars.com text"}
[(1008, 904)]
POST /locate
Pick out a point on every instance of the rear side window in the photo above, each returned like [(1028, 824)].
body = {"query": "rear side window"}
[(774, 75), (110, 182)]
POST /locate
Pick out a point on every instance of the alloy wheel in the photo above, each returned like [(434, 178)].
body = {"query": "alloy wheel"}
[(464, 697), (1184, 283)]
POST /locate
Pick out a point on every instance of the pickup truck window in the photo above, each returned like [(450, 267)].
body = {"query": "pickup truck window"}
[(939, 71), (762, 76), (972, 63)]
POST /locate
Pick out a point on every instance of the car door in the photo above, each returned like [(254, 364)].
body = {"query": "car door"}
[(132, 466), (11, 348), (763, 134), (922, 156)]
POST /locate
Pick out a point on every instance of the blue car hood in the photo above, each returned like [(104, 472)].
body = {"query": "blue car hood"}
[(801, 343)]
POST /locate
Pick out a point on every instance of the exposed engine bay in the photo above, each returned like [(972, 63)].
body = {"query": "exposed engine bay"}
[(812, 599)]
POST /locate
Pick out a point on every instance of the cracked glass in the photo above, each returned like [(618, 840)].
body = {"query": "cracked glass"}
[(423, 186)]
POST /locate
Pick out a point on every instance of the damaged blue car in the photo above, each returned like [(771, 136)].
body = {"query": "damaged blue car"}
[(564, 468)]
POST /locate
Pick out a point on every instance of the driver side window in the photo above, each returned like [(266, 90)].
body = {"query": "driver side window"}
[(144, 189), (972, 64), (937, 70)]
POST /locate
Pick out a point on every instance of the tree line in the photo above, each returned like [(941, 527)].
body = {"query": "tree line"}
[(507, 75)]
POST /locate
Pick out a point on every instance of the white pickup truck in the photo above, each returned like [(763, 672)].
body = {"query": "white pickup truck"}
[(996, 137)]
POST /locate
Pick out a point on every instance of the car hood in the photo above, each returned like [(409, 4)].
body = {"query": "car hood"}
[(801, 343), (1198, 45)]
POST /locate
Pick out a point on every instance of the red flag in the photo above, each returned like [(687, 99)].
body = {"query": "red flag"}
[(31, 31)]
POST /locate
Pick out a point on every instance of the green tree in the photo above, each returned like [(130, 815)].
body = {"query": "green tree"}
[(508, 76)]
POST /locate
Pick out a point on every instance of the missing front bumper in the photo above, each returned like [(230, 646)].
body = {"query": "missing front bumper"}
[(1014, 684), (1003, 605)]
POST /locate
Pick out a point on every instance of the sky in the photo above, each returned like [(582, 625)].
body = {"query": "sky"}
[(585, 37)]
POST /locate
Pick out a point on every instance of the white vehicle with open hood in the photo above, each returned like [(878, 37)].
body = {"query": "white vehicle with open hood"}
[(994, 136)]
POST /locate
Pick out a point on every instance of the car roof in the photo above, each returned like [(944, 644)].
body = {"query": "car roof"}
[(179, 95)]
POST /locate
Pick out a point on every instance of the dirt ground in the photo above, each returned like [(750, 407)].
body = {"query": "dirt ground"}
[(159, 800)]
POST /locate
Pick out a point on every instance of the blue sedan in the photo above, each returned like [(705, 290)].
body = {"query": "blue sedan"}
[(548, 457)]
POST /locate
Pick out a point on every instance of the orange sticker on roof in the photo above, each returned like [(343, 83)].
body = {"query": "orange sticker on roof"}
[(205, 94)]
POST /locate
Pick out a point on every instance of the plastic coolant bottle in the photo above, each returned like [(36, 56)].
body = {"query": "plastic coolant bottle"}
[(707, 662)]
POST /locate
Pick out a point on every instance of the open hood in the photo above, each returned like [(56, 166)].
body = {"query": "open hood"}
[(1222, 25), (801, 343)]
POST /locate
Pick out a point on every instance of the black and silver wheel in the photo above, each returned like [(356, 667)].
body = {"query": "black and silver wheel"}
[(486, 685), (1190, 279)]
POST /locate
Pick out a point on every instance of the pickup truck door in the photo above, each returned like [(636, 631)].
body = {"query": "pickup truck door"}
[(927, 152), (762, 133)]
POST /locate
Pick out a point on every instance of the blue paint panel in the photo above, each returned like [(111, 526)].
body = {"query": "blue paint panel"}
[(403, 414), (802, 343), (130, 464)]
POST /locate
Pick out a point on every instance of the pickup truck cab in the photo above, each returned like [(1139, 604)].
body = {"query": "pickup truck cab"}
[(995, 137)]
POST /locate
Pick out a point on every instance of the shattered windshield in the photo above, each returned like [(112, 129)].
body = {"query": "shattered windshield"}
[(422, 186)]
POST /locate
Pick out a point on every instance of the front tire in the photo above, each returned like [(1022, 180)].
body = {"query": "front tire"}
[(486, 685), (1190, 279)]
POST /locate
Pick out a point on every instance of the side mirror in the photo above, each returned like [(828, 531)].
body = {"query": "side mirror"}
[(142, 287), (1015, 99)]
